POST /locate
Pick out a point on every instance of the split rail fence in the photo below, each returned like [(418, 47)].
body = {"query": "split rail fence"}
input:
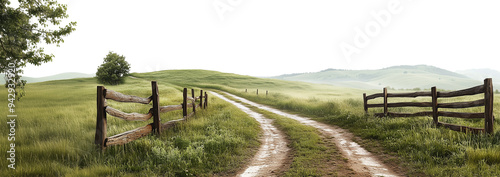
[(103, 109), (257, 92), (487, 102)]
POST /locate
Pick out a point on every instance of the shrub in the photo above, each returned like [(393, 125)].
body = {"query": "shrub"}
[(113, 69)]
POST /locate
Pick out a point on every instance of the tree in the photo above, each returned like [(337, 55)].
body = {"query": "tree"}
[(23, 29), (113, 69)]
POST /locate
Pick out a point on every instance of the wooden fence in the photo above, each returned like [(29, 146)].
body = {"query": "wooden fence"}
[(103, 109), (267, 92), (487, 102)]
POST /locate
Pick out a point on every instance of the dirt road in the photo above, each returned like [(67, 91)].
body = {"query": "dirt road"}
[(361, 161), (273, 152)]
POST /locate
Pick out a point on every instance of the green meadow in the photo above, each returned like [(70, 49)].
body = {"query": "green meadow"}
[(418, 146), (56, 126)]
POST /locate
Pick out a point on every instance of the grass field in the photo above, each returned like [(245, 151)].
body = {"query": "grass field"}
[(422, 148), (312, 154), (56, 126)]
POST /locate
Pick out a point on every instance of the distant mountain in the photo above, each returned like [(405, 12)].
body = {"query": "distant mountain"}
[(480, 74), (69, 75), (399, 77)]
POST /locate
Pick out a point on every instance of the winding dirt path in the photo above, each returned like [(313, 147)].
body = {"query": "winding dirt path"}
[(273, 152), (361, 161)]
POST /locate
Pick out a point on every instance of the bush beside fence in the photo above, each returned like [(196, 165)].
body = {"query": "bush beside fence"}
[(487, 102), (103, 109)]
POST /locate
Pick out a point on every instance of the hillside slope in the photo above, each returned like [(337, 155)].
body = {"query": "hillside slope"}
[(479, 74), (62, 76), (235, 82), (405, 77)]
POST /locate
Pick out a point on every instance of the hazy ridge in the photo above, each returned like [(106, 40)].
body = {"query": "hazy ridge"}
[(398, 77), (62, 76)]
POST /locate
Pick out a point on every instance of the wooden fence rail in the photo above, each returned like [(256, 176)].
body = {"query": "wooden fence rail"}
[(103, 109), (487, 102), (257, 92)]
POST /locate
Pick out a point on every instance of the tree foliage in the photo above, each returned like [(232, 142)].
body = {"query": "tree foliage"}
[(113, 69), (24, 28)]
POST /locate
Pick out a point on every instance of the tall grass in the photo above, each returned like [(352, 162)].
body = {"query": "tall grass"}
[(420, 145), (424, 147), (312, 156), (56, 126)]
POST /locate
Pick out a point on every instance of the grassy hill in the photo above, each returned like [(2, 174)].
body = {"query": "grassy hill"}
[(238, 83), (399, 77), (54, 134), (62, 76), (56, 125), (480, 74), (418, 146)]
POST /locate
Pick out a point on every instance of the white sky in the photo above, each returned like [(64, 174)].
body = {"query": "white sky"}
[(273, 37)]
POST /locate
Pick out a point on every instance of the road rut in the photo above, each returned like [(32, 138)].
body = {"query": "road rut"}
[(360, 160), (273, 152)]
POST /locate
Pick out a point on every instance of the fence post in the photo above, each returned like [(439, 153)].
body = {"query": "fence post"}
[(156, 108), (434, 106), (245, 90), (206, 100), (365, 103), (184, 103), (100, 130), (257, 91), (385, 101), (266, 92), (194, 101), (201, 99), (488, 106)]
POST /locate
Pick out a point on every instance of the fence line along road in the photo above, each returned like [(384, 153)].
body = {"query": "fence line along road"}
[(103, 109), (487, 102)]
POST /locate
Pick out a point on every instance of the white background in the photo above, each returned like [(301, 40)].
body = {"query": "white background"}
[(273, 37)]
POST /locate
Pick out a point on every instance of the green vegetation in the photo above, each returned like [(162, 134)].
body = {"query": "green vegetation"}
[(399, 77), (24, 31), (62, 76), (312, 155), (480, 74), (56, 126), (421, 147), (113, 69)]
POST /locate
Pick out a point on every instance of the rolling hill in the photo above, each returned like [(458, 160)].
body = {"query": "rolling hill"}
[(62, 76), (399, 77), (479, 74)]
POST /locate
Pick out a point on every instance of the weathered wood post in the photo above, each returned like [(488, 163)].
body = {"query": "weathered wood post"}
[(156, 108), (435, 106), (365, 103), (385, 101), (100, 130), (257, 91), (201, 99), (267, 92), (245, 90), (194, 100), (488, 106), (184, 103), (206, 100)]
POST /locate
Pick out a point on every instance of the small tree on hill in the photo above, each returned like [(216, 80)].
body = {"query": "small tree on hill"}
[(113, 69)]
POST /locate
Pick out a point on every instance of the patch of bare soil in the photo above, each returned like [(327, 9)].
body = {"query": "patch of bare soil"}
[(272, 158), (336, 164), (361, 161)]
